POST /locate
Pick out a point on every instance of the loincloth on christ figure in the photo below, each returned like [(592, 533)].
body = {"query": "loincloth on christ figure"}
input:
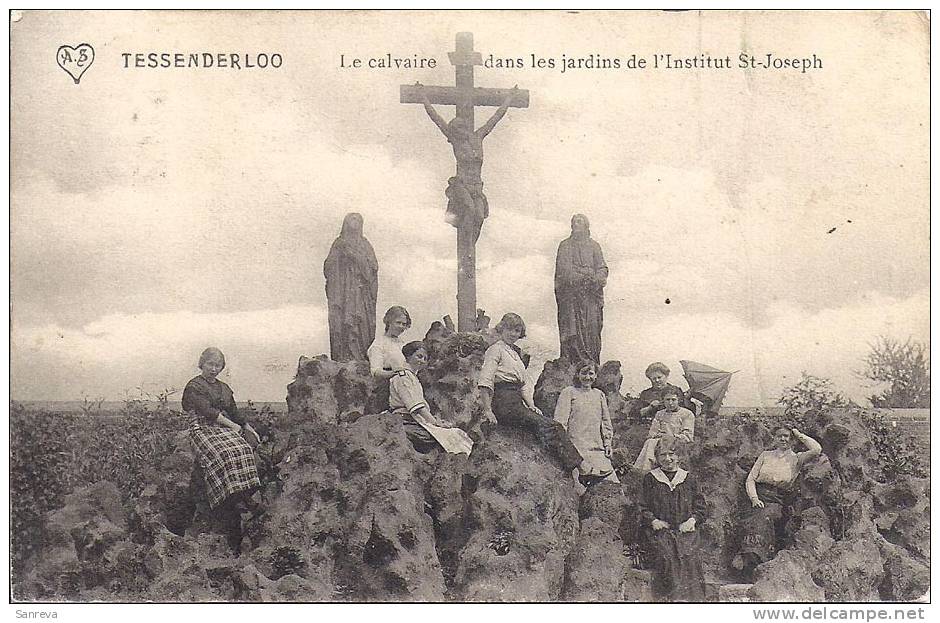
[(466, 203)]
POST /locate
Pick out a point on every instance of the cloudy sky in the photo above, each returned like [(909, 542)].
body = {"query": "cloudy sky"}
[(159, 211)]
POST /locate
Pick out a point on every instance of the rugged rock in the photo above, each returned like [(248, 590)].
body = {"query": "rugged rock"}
[(350, 518), (450, 382), (609, 381), (733, 593), (902, 514), (906, 578), (788, 577), (636, 586), (596, 564), (182, 569), (350, 511), (557, 374), (170, 497), (84, 546), (852, 570), (325, 390), (521, 519)]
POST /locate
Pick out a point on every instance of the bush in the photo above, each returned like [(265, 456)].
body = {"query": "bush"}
[(53, 454), (123, 446), (40, 465), (897, 454), (812, 393)]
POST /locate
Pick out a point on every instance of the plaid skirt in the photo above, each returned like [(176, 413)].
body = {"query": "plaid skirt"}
[(226, 460)]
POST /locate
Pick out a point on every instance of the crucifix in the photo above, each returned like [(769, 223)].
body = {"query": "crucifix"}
[(466, 204)]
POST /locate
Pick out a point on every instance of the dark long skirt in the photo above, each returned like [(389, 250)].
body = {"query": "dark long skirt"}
[(675, 559), (420, 438), (510, 410), (763, 529)]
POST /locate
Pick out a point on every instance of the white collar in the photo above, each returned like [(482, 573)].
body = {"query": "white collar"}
[(677, 480)]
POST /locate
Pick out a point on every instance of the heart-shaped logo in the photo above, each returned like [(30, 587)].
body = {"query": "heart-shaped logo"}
[(75, 61)]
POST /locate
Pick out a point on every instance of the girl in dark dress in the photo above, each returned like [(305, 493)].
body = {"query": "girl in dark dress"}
[(216, 430), (671, 511), (650, 399)]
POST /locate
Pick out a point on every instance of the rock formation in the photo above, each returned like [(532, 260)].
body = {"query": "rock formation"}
[(350, 512)]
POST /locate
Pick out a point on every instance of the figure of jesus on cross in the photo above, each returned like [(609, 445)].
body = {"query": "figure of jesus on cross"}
[(467, 206)]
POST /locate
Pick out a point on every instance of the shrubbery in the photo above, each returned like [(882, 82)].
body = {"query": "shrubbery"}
[(52, 454), (811, 393), (897, 454), (40, 462), (123, 446)]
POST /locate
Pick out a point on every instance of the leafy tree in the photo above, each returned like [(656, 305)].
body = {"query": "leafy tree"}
[(904, 367), (811, 393)]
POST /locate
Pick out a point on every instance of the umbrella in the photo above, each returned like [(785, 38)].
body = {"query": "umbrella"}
[(706, 383)]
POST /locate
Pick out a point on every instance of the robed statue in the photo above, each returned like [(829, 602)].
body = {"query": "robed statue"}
[(352, 285), (580, 277)]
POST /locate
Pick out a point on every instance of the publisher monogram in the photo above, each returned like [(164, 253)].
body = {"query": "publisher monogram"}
[(75, 61)]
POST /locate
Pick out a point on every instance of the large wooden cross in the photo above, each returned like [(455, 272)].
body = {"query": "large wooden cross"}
[(464, 96)]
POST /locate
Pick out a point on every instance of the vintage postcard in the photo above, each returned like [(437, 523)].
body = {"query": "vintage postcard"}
[(470, 306)]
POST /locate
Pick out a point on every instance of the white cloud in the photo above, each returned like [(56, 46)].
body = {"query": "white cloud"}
[(120, 353), (184, 206), (830, 343)]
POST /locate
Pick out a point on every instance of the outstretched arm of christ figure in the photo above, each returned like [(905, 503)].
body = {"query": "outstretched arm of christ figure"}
[(436, 118), (487, 127)]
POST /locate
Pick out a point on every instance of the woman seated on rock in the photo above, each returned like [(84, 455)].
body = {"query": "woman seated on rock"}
[(385, 357), (583, 412), (672, 420), (216, 429), (507, 393), (406, 398), (650, 400), (770, 487), (671, 512)]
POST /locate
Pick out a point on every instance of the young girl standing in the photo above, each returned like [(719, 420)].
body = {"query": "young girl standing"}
[(583, 412)]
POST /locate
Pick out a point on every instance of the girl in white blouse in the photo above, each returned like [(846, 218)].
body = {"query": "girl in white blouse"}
[(507, 393), (769, 487), (385, 356), (406, 398)]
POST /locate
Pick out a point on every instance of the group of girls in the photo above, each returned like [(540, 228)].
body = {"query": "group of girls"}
[(579, 437), (672, 505)]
